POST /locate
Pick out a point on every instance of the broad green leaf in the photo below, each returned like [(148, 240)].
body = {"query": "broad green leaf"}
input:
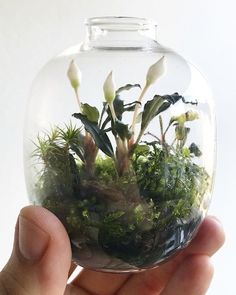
[(90, 112), (173, 98), (127, 87), (130, 107), (105, 122), (118, 106), (156, 106), (122, 130), (151, 110), (169, 100), (164, 106), (100, 137)]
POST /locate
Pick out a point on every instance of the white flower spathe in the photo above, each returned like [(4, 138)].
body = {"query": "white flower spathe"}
[(74, 75), (155, 71), (109, 88)]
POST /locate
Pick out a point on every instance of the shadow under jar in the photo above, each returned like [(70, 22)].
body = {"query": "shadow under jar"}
[(120, 145)]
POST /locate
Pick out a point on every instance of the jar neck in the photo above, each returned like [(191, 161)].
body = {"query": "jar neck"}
[(120, 33)]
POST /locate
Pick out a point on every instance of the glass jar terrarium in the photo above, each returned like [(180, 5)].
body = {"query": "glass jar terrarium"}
[(120, 145)]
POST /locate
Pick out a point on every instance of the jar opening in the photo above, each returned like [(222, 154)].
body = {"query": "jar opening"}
[(120, 23)]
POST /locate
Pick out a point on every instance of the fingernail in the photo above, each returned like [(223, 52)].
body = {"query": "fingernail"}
[(33, 240)]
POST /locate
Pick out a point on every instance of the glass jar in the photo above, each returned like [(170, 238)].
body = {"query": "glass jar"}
[(120, 146)]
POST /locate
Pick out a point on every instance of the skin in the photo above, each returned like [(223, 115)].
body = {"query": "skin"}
[(36, 267)]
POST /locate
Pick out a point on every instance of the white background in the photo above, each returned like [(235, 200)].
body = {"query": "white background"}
[(31, 32)]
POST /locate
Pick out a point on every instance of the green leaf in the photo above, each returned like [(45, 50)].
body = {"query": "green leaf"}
[(142, 149), (118, 103), (119, 107), (106, 121), (186, 152), (127, 87), (151, 110), (122, 130), (194, 149), (169, 100), (100, 137), (173, 98), (156, 106), (90, 112)]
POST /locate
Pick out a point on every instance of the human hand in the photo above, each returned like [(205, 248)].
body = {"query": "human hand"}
[(40, 264)]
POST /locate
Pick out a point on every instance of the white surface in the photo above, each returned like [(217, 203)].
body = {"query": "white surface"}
[(31, 32)]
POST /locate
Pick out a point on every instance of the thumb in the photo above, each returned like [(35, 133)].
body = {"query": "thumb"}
[(41, 256)]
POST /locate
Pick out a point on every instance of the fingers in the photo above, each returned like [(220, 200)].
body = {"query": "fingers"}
[(41, 257), (192, 277), (73, 290), (208, 240), (102, 283)]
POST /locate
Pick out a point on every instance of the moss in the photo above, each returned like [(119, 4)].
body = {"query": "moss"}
[(105, 170)]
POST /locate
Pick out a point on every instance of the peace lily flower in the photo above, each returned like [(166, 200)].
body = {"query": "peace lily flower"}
[(109, 88), (155, 71), (74, 75)]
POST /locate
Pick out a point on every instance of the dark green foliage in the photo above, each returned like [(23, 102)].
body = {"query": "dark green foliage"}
[(90, 112), (166, 177), (127, 87), (139, 214), (100, 137), (151, 110), (156, 106), (119, 105), (122, 129), (194, 149)]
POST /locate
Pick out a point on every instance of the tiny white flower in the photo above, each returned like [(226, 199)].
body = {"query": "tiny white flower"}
[(155, 71), (74, 75), (109, 88)]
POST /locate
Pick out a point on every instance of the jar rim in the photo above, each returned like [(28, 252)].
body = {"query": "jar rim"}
[(120, 22)]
